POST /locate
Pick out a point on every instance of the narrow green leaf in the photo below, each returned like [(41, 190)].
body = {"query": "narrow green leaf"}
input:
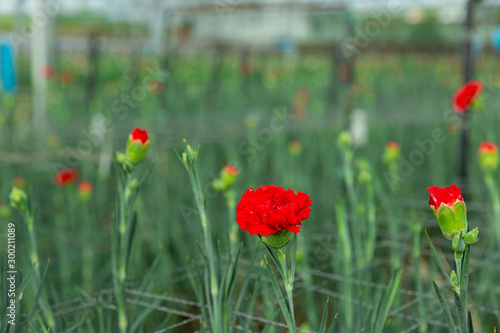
[(469, 322), (277, 263), (130, 238), (294, 256), (322, 327), (281, 298), (461, 313), (438, 260), (388, 299), (332, 325), (464, 281), (445, 307)]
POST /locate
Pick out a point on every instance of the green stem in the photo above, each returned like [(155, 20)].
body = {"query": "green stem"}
[(87, 251), (288, 279), (417, 245), (458, 264), (214, 285), (35, 262), (495, 200)]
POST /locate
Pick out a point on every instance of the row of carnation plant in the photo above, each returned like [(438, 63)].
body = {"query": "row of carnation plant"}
[(273, 216)]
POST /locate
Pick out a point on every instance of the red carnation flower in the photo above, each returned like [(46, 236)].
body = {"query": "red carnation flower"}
[(271, 209), (448, 196), (465, 96), (139, 134), (487, 148), (65, 177)]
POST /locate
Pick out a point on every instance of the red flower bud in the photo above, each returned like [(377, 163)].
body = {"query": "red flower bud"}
[(447, 196), (487, 148), (65, 177), (85, 186), (393, 145), (271, 209), (449, 208), (137, 146), (139, 134), (466, 95), (488, 156), (231, 170)]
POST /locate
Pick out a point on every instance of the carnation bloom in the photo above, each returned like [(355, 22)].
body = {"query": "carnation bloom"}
[(466, 95), (271, 209), (65, 177), (449, 208)]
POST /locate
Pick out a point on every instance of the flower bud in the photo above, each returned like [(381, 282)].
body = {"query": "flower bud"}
[(449, 208), (137, 146), (228, 176), (391, 153), (454, 279), (466, 96), (471, 237), (295, 147), (65, 177), (344, 140), (4, 211), (488, 156), (85, 189), (19, 199), (277, 240)]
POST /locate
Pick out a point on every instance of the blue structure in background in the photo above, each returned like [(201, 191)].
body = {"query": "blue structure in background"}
[(495, 40), (7, 67), (285, 45)]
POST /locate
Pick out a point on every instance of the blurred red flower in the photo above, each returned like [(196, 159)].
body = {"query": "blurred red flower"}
[(448, 196), (155, 86), (487, 148), (231, 170), (393, 145), (465, 96), (85, 186), (271, 209), (139, 134), (65, 177), (66, 76), (48, 72)]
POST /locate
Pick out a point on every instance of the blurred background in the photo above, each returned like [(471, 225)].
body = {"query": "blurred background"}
[(264, 85)]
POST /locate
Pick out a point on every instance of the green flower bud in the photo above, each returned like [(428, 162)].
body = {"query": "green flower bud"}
[(471, 237), (136, 149), (488, 156), (391, 153), (228, 176), (454, 279), (19, 199), (344, 140)]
